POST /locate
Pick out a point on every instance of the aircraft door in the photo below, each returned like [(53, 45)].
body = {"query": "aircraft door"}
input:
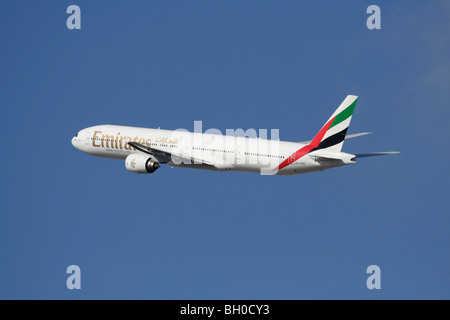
[(291, 158), (87, 138), (240, 158)]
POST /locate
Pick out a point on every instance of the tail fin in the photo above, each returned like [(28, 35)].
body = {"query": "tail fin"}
[(332, 134)]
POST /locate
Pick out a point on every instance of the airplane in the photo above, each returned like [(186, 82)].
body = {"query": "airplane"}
[(144, 149)]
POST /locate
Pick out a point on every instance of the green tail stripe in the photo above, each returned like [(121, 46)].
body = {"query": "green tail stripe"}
[(344, 114)]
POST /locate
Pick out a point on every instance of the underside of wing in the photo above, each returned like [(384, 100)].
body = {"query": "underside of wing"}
[(161, 155), (177, 158)]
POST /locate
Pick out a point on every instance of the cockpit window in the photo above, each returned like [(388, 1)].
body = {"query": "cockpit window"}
[(76, 135)]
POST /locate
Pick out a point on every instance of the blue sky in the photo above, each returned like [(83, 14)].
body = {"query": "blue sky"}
[(193, 234)]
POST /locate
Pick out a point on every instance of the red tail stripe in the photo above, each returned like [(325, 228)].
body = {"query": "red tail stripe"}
[(306, 149)]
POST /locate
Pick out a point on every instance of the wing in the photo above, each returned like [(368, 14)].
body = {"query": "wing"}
[(151, 151), (175, 157)]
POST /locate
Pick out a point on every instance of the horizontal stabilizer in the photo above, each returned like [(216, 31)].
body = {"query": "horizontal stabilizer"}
[(355, 135), (373, 154), (349, 136)]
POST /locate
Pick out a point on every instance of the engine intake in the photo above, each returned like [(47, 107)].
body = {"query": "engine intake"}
[(141, 163)]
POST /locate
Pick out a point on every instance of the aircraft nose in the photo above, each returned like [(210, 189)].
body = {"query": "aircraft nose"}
[(75, 141)]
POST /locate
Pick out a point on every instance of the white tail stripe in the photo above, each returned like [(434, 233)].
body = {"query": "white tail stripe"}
[(338, 128)]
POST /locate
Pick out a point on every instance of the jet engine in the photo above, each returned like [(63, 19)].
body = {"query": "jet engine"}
[(141, 163)]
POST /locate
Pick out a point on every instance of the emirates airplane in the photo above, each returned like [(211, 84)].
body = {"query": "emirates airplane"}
[(144, 150)]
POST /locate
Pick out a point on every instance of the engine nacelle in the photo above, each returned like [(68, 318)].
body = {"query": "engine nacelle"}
[(141, 163)]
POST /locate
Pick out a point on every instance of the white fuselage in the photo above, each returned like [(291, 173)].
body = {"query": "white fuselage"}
[(206, 151)]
